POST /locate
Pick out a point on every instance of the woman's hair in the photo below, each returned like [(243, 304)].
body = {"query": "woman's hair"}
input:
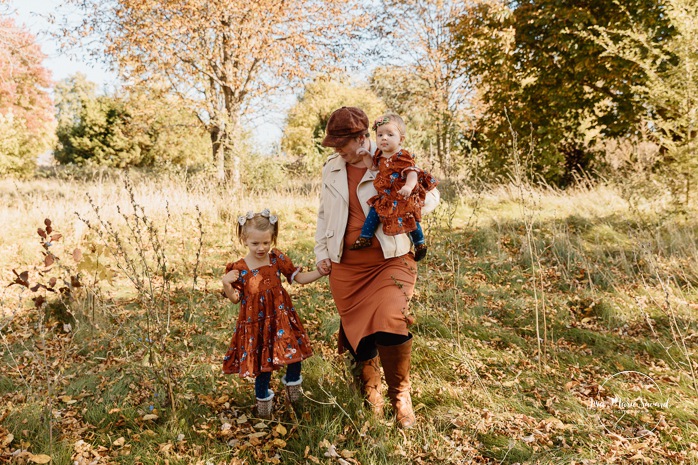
[(262, 221), (391, 118)]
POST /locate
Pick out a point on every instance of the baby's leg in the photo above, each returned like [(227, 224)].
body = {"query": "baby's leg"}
[(371, 223), (417, 235), (420, 246), (367, 231)]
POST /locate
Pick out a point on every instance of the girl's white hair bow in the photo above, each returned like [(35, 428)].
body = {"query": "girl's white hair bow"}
[(250, 214)]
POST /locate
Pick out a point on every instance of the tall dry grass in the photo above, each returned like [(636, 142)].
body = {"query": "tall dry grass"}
[(612, 280)]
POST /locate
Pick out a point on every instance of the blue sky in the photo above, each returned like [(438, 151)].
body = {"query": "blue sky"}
[(33, 14)]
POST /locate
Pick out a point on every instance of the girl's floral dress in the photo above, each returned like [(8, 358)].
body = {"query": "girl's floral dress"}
[(397, 214), (269, 333)]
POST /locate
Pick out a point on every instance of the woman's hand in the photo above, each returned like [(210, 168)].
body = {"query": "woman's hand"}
[(324, 267)]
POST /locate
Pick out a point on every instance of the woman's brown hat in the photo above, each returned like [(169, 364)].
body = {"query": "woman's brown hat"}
[(344, 123)]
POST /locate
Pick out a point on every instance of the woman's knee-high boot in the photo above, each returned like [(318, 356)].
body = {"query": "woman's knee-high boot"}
[(367, 377), (370, 376), (396, 365)]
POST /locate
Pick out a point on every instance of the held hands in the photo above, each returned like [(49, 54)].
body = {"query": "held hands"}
[(324, 267)]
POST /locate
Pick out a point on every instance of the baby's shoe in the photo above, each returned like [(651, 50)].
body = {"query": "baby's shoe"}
[(264, 406), (420, 251), (361, 243), (293, 389)]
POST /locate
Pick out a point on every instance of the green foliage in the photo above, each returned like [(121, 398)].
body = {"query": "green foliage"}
[(70, 95), (262, 173), (306, 121), (143, 128), (669, 92), (174, 135), (18, 149), (541, 78), (102, 136)]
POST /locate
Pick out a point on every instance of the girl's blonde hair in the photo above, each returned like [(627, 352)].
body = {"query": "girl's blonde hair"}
[(391, 118), (262, 221)]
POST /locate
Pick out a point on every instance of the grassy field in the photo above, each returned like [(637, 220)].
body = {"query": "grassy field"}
[(552, 327)]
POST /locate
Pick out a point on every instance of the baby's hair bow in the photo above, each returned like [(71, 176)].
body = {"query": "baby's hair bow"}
[(380, 122), (250, 214)]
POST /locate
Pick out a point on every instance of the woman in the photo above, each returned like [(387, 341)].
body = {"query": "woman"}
[(371, 287)]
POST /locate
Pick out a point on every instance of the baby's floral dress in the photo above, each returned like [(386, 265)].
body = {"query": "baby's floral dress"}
[(397, 214), (269, 333)]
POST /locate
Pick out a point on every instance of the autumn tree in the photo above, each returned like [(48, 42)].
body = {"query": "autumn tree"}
[(306, 120), (26, 112), (418, 34), (541, 78), (224, 58)]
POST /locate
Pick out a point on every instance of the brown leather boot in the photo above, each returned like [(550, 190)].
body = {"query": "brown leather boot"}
[(369, 374), (396, 365)]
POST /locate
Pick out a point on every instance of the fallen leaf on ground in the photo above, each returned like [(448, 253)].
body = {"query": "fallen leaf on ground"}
[(41, 458)]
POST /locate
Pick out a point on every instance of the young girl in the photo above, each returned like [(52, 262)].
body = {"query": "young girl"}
[(401, 187), (269, 333)]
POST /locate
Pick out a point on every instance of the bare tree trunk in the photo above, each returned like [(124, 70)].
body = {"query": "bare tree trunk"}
[(218, 152), (231, 163)]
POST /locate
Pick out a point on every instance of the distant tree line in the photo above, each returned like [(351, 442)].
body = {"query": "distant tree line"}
[(141, 128), (568, 90)]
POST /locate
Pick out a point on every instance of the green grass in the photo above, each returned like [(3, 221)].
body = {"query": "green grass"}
[(605, 291)]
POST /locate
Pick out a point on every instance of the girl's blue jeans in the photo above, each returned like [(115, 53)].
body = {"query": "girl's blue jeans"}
[(261, 383)]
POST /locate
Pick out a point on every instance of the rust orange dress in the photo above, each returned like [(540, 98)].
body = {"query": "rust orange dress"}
[(397, 214), (371, 293), (269, 333)]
